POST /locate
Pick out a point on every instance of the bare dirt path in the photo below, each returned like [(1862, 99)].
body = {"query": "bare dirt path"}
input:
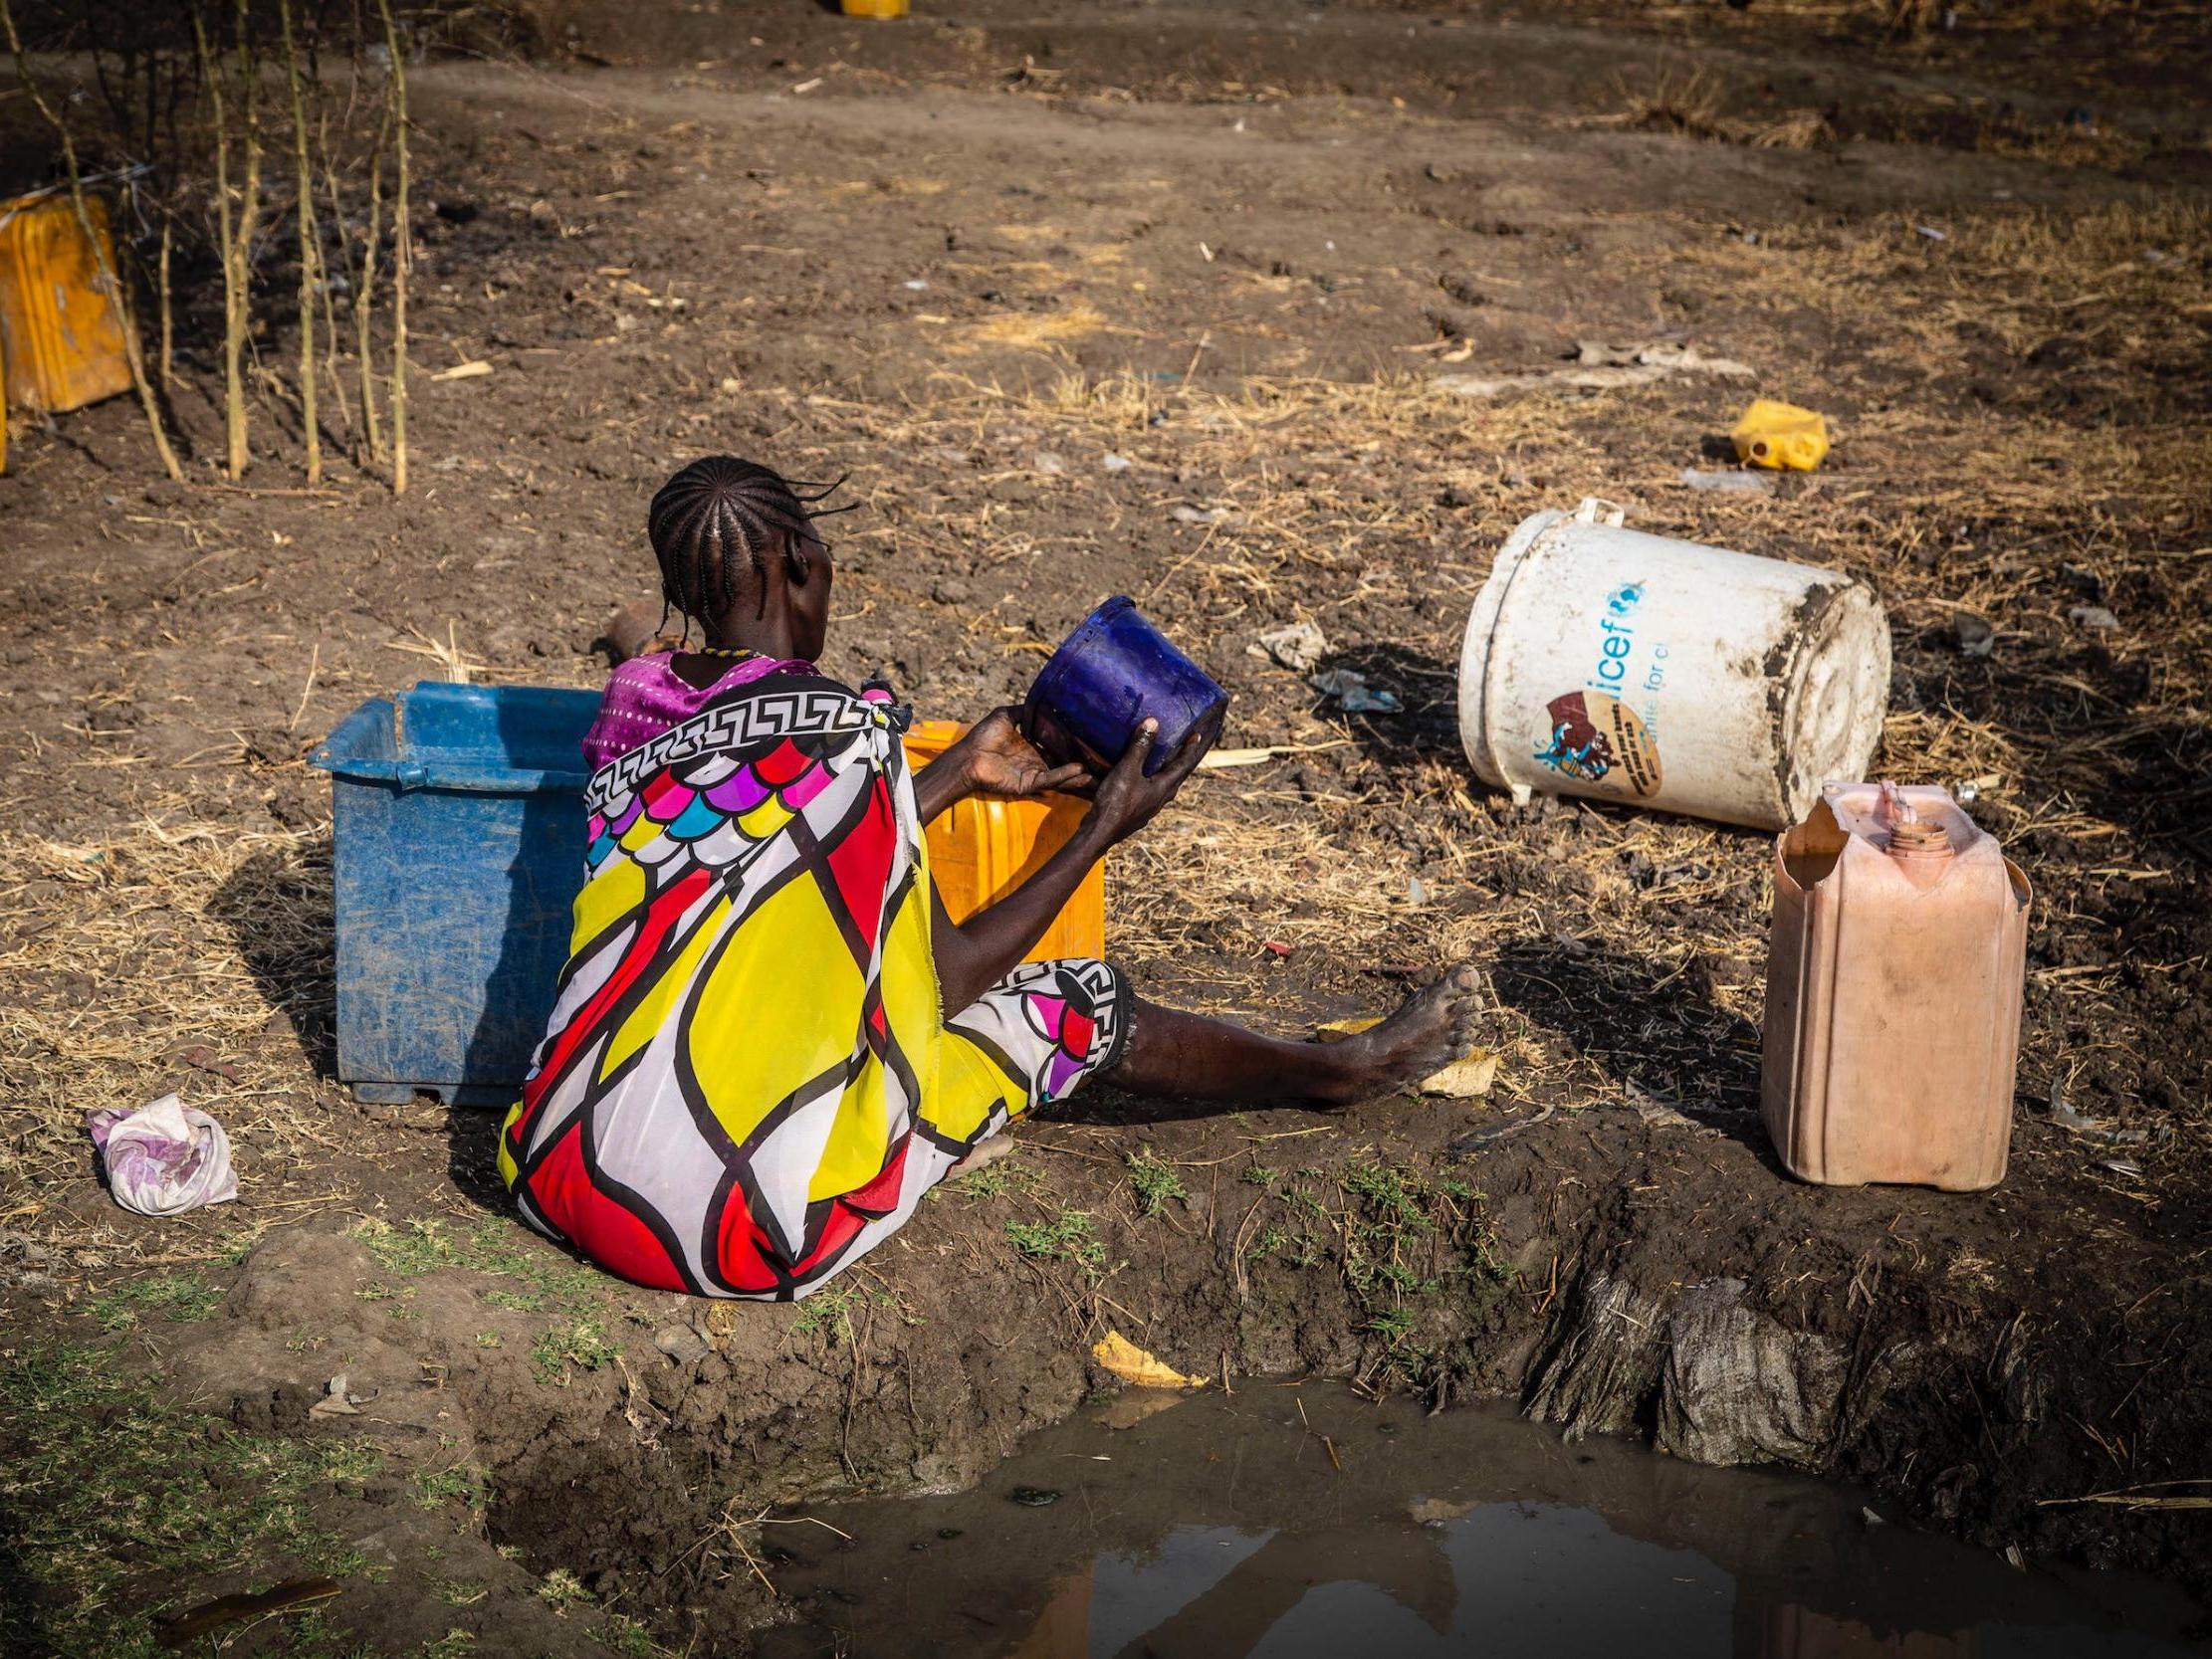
[(970, 281)]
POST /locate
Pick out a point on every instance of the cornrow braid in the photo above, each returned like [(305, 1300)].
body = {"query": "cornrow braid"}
[(707, 514)]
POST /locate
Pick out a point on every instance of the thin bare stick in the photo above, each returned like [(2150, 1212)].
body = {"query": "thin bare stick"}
[(366, 288), (337, 226), (167, 366), (310, 252), (233, 327), (102, 254), (330, 368), (238, 257), (403, 254)]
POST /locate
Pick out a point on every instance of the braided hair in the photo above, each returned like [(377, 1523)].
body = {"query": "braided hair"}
[(707, 514)]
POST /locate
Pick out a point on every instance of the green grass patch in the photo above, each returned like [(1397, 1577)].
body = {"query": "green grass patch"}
[(581, 1346), (1408, 1237), (103, 1484), (1393, 1325), (1066, 1237), (1302, 1200), (1393, 1198), (351, 1460), (462, 1483), (993, 1181), (169, 1296), (829, 1311), (1153, 1182), (494, 1245), (626, 1636), (562, 1589)]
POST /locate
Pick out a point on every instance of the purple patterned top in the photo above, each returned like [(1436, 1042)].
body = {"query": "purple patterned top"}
[(646, 697)]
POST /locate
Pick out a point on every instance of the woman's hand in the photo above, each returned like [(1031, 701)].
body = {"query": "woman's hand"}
[(998, 759), (1127, 801)]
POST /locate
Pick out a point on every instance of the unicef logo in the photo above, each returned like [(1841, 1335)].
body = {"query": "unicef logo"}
[(1624, 598)]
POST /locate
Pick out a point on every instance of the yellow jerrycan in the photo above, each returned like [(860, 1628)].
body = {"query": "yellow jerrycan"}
[(59, 329), (986, 846)]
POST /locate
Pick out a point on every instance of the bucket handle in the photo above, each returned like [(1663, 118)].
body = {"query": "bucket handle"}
[(1596, 509)]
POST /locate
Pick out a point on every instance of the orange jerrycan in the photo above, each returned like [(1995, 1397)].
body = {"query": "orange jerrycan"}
[(1893, 1015), (986, 846), (59, 329)]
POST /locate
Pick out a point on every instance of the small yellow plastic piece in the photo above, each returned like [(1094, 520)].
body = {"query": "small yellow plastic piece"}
[(1781, 436), (875, 8), (1117, 1354)]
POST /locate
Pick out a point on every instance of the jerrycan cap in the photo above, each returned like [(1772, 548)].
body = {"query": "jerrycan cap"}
[(1911, 835), (1912, 825)]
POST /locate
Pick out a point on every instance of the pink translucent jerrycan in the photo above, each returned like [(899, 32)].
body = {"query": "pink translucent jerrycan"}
[(1893, 1018)]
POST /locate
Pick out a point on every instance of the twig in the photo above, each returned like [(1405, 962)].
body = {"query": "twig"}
[(403, 253), (166, 366), (315, 661), (730, 1531), (2138, 1497), (337, 226), (241, 251), (310, 251), (801, 1520), (371, 448)]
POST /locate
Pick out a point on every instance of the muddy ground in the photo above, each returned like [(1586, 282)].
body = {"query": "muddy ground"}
[(1278, 262)]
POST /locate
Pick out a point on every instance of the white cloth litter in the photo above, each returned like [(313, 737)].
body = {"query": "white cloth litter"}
[(1299, 647), (164, 1158)]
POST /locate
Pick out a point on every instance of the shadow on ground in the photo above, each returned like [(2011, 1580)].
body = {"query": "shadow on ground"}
[(1428, 690), (277, 907), (1658, 1033)]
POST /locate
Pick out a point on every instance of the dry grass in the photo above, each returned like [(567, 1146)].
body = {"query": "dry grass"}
[(179, 929), (1330, 490), (141, 963), (1688, 98), (1693, 100), (1948, 507)]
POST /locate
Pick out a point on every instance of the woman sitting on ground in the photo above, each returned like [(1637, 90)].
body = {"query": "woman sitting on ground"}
[(771, 1040)]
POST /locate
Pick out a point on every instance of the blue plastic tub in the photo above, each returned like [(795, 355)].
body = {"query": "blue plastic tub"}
[(459, 849), (1109, 675)]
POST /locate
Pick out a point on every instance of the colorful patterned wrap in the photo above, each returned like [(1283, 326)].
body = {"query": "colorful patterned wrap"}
[(747, 1081)]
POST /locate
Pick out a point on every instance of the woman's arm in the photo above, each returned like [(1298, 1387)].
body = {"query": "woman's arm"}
[(978, 952), (942, 784), (991, 757)]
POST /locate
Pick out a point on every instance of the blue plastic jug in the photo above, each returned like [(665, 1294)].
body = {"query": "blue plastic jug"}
[(1109, 675)]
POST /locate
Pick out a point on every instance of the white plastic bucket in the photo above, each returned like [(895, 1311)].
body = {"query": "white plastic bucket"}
[(1609, 663)]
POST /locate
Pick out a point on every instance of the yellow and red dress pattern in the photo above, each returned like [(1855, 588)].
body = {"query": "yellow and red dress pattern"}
[(747, 1081)]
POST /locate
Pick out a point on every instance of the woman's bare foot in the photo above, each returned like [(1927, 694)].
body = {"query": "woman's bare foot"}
[(1431, 1030)]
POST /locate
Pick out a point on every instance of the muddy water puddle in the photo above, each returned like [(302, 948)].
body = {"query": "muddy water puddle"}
[(1302, 1520)]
